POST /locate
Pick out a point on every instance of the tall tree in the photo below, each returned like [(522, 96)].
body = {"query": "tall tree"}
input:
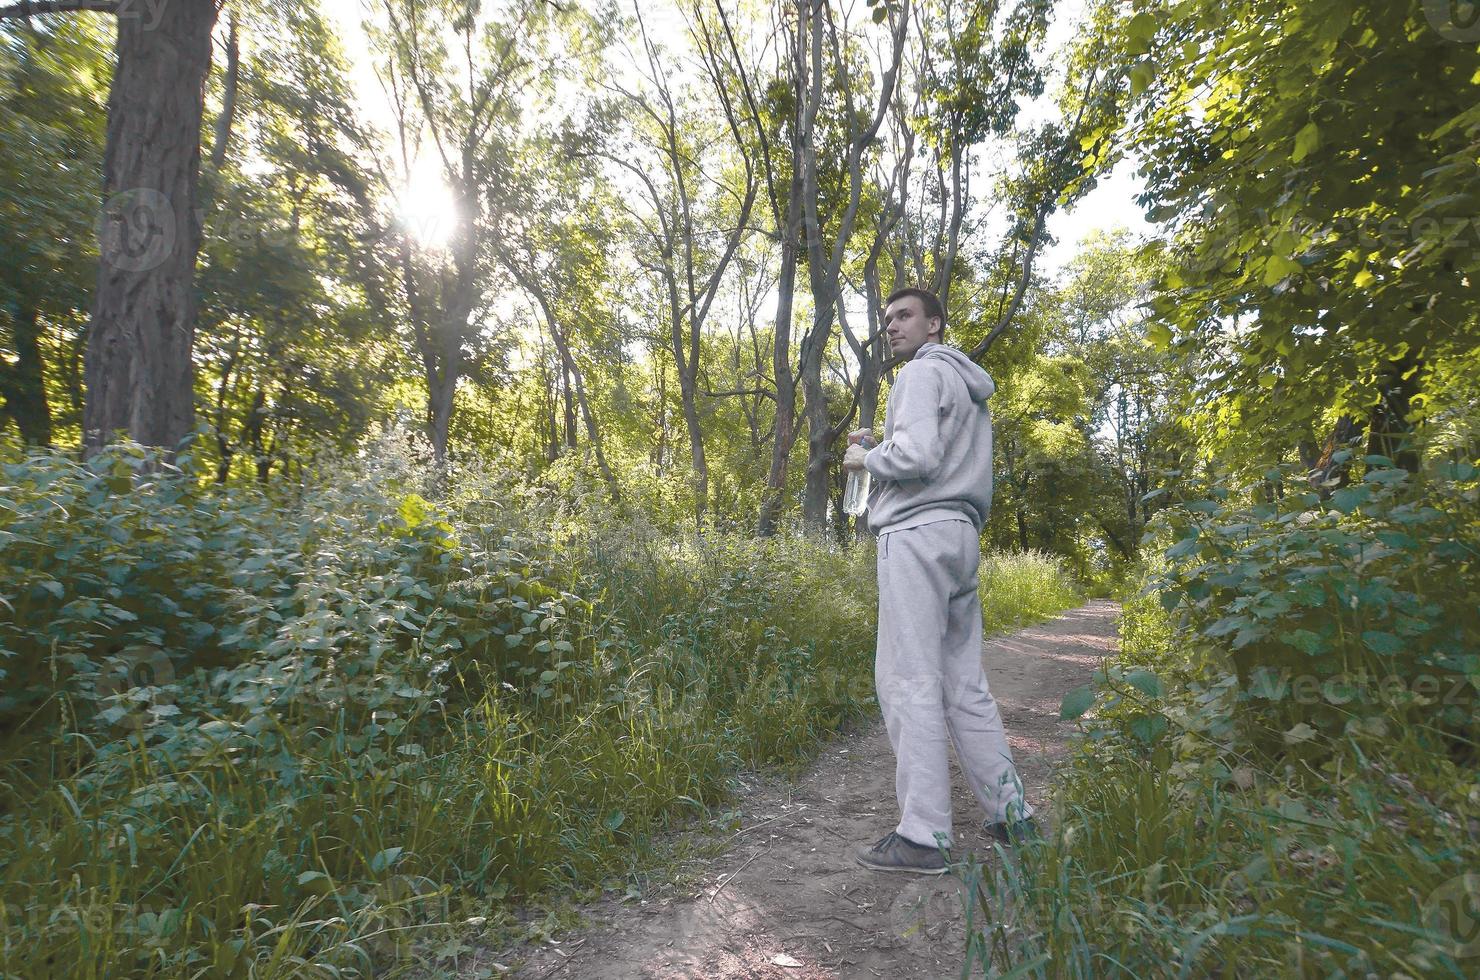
[(690, 201), (296, 340), (775, 107), (139, 366), (822, 48), (53, 119), (458, 76)]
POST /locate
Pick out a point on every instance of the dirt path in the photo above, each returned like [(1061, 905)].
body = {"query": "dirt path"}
[(786, 899)]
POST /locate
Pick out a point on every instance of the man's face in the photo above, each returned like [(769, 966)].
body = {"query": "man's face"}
[(908, 327)]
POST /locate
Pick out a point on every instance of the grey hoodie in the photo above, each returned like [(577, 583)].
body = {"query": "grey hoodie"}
[(935, 462)]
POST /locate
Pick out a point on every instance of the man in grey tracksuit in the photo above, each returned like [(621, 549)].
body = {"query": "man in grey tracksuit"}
[(932, 489)]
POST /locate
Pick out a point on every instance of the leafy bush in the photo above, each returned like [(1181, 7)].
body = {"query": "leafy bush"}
[(1334, 613), (1210, 816), (287, 732)]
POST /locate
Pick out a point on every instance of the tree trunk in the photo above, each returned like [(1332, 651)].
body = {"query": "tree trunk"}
[(252, 431), (786, 393), (592, 432), (227, 117), (570, 401), (1389, 430), (696, 454), (441, 395), (138, 367), (686, 366), (1326, 474), (660, 462), (819, 433), (24, 386)]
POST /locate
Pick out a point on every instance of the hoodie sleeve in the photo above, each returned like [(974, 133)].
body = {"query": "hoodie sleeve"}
[(914, 450)]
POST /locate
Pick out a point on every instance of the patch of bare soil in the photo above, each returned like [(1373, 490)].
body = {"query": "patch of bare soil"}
[(786, 899)]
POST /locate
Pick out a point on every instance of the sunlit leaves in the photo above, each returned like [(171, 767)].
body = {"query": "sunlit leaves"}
[(1272, 136)]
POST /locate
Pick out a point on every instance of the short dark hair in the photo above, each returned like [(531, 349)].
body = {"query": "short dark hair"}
[(929, 302)]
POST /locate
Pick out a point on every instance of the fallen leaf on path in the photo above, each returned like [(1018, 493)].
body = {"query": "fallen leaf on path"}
[(781, 959)]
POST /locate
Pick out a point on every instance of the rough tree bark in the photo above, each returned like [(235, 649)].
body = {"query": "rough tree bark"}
[(138, 366)]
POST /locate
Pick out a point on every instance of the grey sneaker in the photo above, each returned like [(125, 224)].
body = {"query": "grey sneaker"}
[(1014, 832), (895, 853)]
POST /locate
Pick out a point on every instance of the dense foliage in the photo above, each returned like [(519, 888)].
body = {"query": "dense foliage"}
[(268, 732), (1279, 771), (1277, 774)]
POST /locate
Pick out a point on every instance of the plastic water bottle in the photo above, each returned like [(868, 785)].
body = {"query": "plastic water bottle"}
[(855, 495)]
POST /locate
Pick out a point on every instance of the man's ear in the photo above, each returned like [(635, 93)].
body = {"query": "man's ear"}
[(937, 328)]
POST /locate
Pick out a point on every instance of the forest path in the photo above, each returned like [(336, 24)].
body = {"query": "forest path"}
[(787, 900)]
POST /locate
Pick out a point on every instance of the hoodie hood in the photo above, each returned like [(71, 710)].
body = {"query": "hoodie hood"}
[(979, 384)]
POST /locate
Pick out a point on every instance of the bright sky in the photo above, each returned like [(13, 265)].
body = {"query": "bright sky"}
[(1111, 204)]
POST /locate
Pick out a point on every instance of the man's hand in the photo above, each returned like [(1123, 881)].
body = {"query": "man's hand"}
[(853, 458), (859, 435)]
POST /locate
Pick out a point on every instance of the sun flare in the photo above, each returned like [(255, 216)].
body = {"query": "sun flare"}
[(427, 206)]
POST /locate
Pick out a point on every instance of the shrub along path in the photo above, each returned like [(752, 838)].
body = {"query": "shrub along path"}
[(785, 899)]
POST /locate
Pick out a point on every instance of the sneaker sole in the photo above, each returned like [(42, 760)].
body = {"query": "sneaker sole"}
[(903, 869)]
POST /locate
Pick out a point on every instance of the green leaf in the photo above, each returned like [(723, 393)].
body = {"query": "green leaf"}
[(614, 820), (385, 859), (1141, 27), (1304, 640), (1141, 76), (1381, 642), (1385, 476), (1277, 268), (1348, 499), (1146, 682), (1147, 730), (1183, 548), (1306, 142), (1076, 703), (316, 882)]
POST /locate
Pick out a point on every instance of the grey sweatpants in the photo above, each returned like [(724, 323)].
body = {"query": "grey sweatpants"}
[(931, 683)]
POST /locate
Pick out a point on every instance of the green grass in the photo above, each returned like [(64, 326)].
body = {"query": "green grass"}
[(1024, 587), (1155, 871), (456, 720)]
